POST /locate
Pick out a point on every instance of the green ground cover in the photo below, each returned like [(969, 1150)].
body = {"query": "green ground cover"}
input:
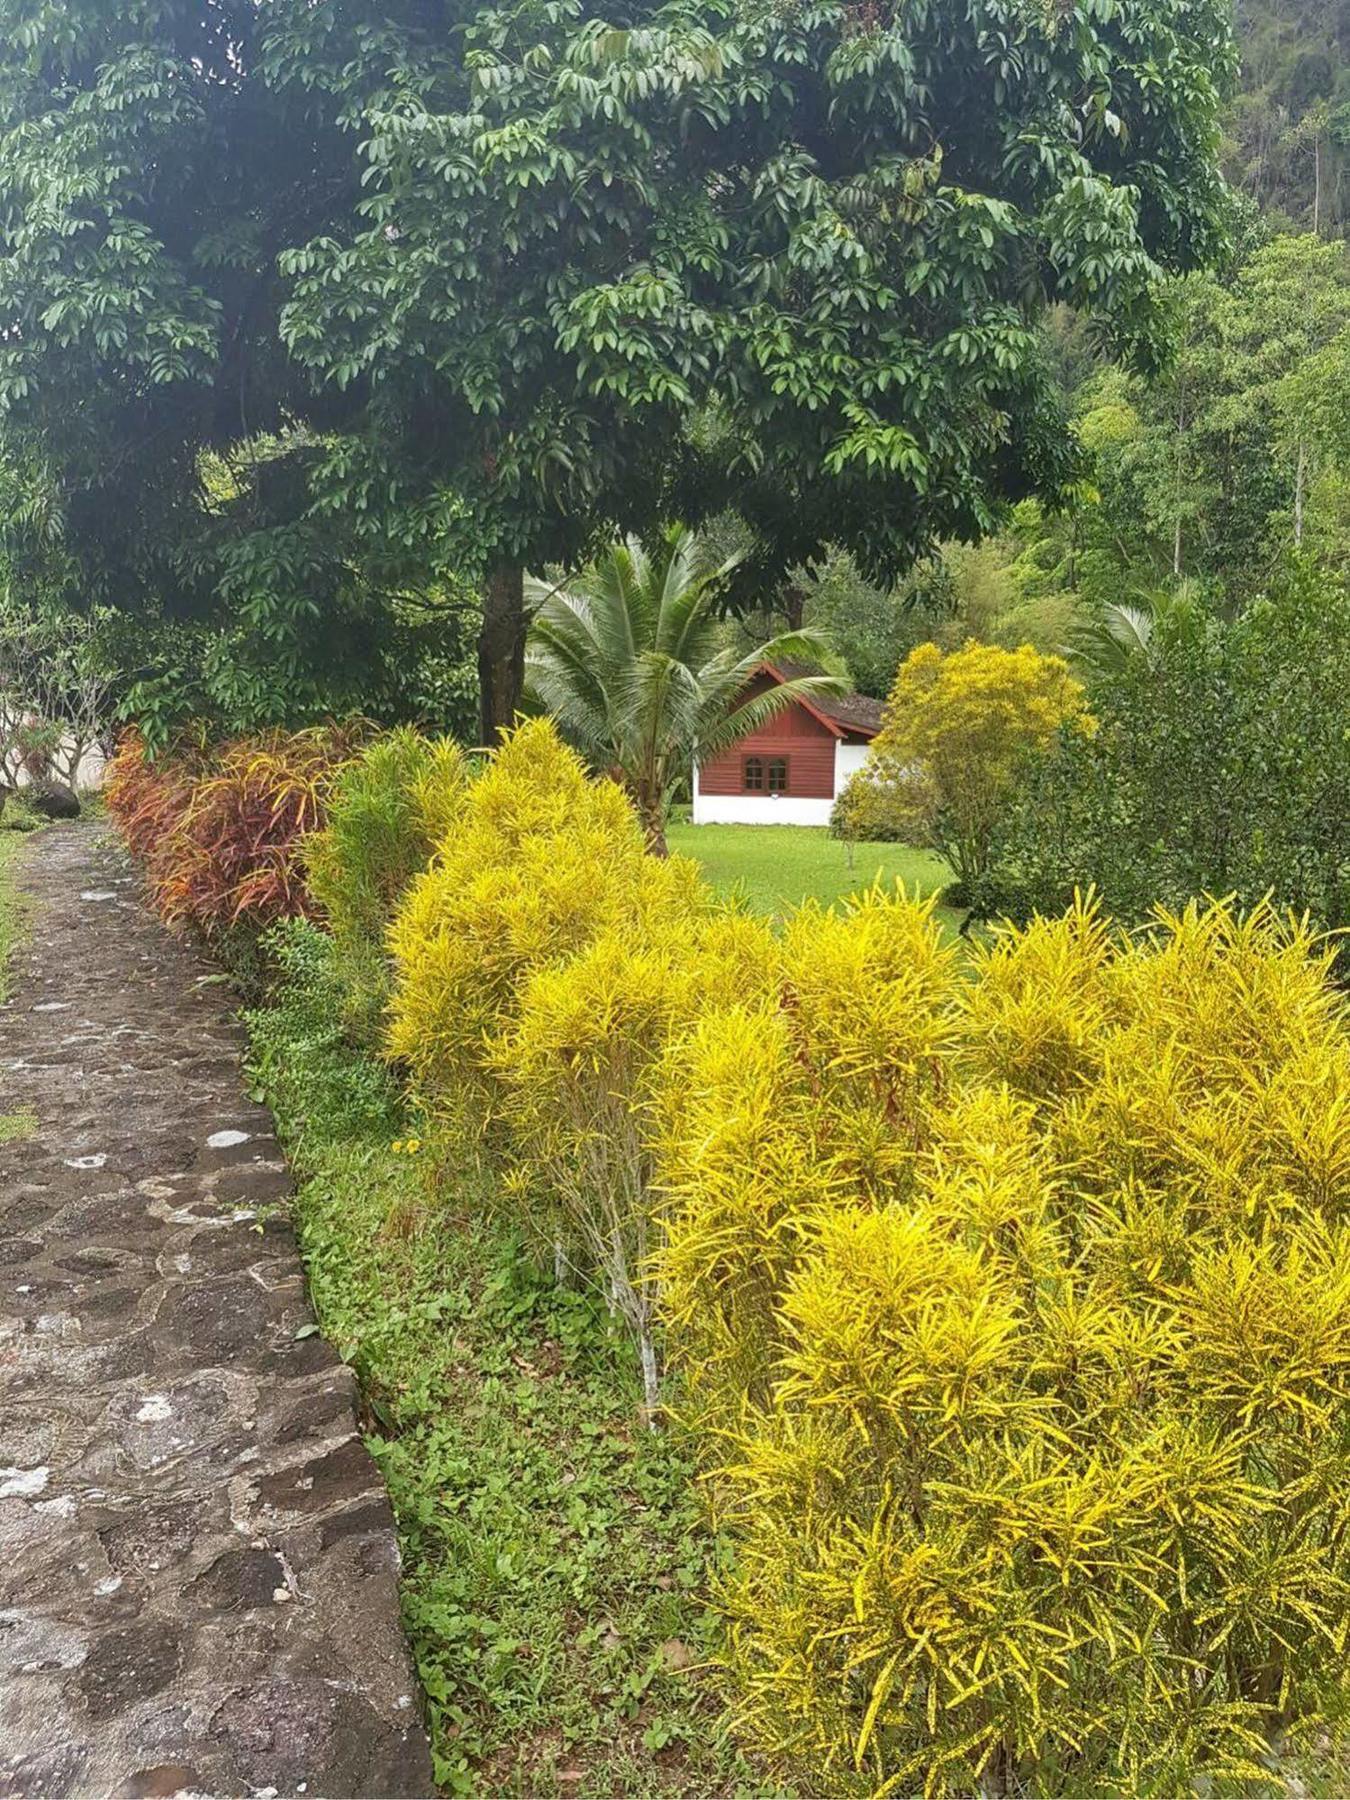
[(779, 866), (9, 911), (12, 1125), (556, 1560)]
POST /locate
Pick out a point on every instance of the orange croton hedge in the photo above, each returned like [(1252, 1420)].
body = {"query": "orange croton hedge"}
[(220, 831)]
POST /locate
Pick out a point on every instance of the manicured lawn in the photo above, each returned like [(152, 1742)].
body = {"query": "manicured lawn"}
[(778, 866)]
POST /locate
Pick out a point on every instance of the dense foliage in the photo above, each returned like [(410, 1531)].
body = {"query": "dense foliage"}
[(1018, 1309), (1288, 139), (961, 733), (1221, 766), (222, 830), (311, 310), (386, 812), (1007, 1300)]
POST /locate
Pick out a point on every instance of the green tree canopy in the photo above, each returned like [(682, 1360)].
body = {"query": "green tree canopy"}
[(540, 273)]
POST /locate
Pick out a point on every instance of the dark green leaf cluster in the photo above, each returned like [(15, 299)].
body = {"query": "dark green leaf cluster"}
[(831, 222), (301, 307), (1221, 766)]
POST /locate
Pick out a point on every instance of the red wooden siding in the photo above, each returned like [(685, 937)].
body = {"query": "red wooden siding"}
[(796, 734)]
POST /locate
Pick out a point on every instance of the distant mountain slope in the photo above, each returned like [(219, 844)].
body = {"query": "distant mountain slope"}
[(1289, 136)]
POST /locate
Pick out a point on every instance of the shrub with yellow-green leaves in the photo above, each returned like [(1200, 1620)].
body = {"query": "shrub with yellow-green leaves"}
[(798, 1094), (543, 962), (575, 1068), (961, 731), (540, 861), (389, 808), (1021, 1334)]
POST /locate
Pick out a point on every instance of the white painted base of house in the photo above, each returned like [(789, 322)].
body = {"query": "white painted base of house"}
[(759, 809)]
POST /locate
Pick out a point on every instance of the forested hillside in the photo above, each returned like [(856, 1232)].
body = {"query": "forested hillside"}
[(1289, 139), (1210, 471)]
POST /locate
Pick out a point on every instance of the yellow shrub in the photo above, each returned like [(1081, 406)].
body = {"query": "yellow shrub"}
[(575, 1067), (1030, 1418), (1012, 1296), (778, 1108), (538, 861), (1221, 1071), (390, 807), (1035, 1010), (958, 732)]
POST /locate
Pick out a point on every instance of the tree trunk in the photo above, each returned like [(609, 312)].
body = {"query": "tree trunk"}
[(794, 606), (653, 821), (1176, 530), (1300, 481), (501, 649)]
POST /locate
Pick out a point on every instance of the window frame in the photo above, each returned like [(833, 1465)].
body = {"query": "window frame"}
[(755, 785), (772, 767)]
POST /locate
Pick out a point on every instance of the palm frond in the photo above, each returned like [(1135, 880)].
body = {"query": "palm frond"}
[(630, 658), (750, 714)]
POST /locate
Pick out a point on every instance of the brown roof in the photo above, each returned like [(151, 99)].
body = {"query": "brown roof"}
[(846, 712)]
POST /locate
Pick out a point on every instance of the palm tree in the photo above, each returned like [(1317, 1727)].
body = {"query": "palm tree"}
[(1123, 630), (633, 662)]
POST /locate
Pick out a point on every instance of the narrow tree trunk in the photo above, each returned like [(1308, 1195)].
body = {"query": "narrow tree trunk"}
[(794, 606), (654, 830), (501, 649), (649, 802), (1176, 529), (1300, 482), (1317, 184), (651, 1380)]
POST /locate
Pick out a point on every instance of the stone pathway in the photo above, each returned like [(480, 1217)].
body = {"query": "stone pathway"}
[(197, 1556)]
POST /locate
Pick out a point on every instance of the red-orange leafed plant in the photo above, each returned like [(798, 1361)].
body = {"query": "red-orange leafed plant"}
[(221, 836), (148, 796)]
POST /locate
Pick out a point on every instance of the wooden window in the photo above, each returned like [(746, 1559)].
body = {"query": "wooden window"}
[(778, 775), (752, 775)]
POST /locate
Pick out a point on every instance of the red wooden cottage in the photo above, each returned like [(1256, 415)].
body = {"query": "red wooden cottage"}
[(790, 771)]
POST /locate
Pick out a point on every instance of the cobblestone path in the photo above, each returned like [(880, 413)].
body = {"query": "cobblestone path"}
[(197, 1557)]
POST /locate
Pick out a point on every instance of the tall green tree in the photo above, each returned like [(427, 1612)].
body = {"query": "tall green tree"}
[(161, 452), (824, 232), (549, 273)]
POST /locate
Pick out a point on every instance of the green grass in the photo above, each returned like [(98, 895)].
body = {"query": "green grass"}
[(13, 1126), (556, 1561), (9, 909), (776, 867)]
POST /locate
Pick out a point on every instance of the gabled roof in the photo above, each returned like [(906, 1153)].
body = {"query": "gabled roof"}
[(841, 714)]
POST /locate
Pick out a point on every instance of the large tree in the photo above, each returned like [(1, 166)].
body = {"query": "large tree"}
[(557, 272)]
